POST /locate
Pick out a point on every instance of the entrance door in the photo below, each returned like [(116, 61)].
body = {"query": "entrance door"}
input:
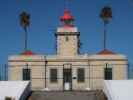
[(67, 79)]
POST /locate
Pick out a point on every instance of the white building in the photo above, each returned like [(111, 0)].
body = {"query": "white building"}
[(67, 69)]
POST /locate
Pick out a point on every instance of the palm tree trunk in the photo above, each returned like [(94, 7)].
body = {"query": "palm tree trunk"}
[(25, 39)]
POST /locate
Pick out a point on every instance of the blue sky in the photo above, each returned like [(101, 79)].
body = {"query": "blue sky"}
[(45, 19)]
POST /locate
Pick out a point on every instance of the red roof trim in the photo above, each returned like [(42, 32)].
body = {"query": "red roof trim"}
[(27, 52), (106, 52)]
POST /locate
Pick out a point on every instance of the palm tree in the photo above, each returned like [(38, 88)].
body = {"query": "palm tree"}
[(24, 23), (106, 16)]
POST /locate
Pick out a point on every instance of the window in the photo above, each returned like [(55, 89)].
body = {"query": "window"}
[(9, 98), (53, 75), (67, 38), (108, 72), (26, 74), (81, 75)]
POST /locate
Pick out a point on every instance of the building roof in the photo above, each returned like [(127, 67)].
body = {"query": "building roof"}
[(118, 89), (14, 89), (106, 52)]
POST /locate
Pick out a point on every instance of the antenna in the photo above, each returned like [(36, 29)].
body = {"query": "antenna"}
[(106, 16), (66, 4)]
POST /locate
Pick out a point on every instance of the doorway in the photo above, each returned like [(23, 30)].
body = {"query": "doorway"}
[(67, 79)]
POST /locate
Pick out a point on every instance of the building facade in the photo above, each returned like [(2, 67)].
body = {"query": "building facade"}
[(67, 69)]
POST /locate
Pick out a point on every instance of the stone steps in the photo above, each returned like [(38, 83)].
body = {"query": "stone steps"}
[(67, 95)]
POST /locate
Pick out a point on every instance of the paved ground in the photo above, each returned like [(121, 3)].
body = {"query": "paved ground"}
[(70, 95)]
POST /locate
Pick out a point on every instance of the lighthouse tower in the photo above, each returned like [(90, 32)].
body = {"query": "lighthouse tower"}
[(67, 36)]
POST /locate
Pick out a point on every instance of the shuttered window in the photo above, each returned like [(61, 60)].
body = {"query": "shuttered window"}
[(53, 75), (26, 74), (81, 75), (108, 72)]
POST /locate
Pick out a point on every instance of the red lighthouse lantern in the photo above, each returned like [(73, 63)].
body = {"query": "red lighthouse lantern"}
[(67, 19)]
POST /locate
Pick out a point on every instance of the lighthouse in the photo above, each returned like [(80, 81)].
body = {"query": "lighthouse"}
[(67, 69), (67, 36)]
